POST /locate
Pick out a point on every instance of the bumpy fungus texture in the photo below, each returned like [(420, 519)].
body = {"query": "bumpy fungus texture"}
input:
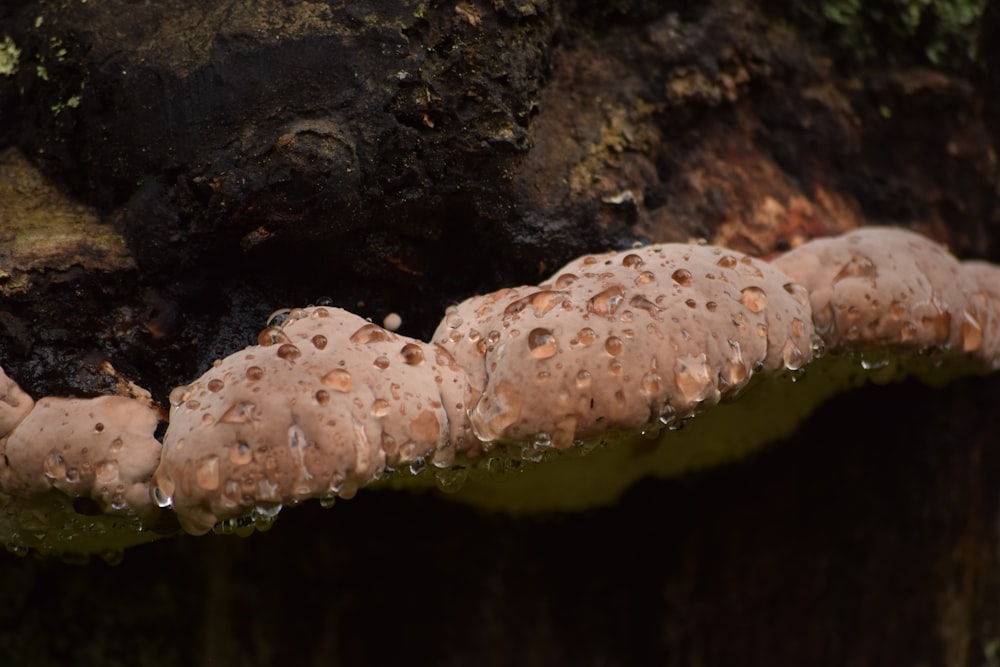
[(321, 407), (624, 341), (74, 474), (882, 287), (608, 358)]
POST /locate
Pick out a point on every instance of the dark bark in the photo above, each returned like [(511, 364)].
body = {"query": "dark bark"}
[(394, 156)]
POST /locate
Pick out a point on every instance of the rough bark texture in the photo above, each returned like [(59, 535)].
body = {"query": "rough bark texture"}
[(202, 164)]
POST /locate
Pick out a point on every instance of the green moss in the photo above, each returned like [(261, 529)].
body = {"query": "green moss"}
[(939, 33), (9, 56)]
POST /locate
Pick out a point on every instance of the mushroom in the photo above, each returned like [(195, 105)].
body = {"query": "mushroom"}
[(610, 357), (625, 341), (325, 404), (74, 472), (887, 287)]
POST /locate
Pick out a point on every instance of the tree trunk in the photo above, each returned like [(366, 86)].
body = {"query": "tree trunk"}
[(175, 171)]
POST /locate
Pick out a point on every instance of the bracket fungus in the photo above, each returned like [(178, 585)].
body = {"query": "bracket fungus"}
[(555, 396), (74, 473)]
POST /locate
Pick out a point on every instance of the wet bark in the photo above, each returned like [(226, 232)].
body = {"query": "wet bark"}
[(202, 164)]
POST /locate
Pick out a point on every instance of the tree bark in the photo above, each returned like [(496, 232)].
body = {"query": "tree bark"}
[(194, 166)]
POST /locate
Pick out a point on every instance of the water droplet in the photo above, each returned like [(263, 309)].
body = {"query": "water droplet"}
[(544, 301), (278, 317), (798, 327), (323, 397), (381, 408), (417, 465), (607, 301), (645, 277), (118, 502), (106, 472), (72, 475), (339, 379), (444, 456), (381, 362), (642, 303), (614, 345), (691, 303), (585, 337), (160, 496), (754, 298), (565, 280), (272, 336), (264, 516), (215, 385), (54, 467), (583, 380), (632, 261), (858, 266), (289, 352), (328, 501), (693, 377), (818, 346), (798, 292), (370, 333), (726, 261), (207, 474), (532, 454), (870, 363), (542, 343), (241, 454), (178, 395), (940, 324), (319, 341), (736, 368), (240, 412), (748, 268), (972, 333), (792, 356), (495, 412), (652, 383), (254, 373), (450, 480), (115, 445), (682, 277), (412, 354), (667, 415)]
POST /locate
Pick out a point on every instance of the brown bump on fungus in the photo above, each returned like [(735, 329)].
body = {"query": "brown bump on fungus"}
[(76, 474), (624, 341), (326, 405)]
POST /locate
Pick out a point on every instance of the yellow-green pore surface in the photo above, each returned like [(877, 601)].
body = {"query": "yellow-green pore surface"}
[(596, 472)]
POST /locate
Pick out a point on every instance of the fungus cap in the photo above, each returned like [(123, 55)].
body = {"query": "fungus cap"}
[(882, 286), (325, 404), (625, 341), (98, 448)]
